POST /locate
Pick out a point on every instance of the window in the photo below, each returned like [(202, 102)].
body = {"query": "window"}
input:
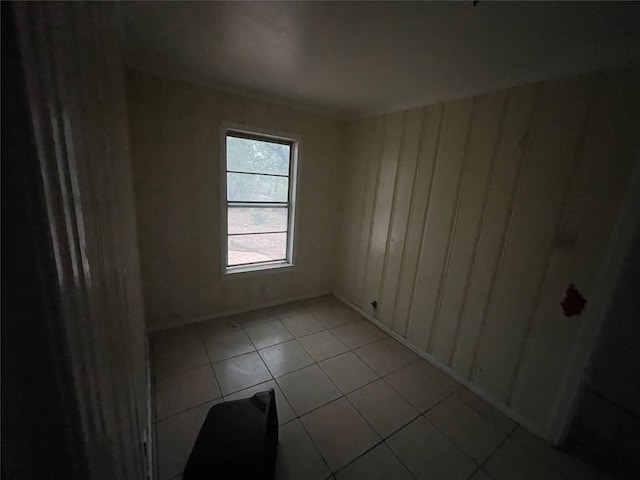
[(259, 199)]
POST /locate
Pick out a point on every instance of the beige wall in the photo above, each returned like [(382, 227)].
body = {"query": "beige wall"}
[(175, 132), (467, 220)]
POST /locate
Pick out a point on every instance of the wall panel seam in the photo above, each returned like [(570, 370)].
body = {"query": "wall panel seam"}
[(353, 171), (360, 206), (481, 225), (374, 203), (452, 226), (348, 197), (416, 172), (424, 219), (506, 235), (368, 145), (392, 213), (549, 254)]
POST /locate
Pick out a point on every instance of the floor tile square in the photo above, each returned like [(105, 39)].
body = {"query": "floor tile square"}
[(353, 335), (298, 457), (473, 434), (339, 432), (313, 302), (456, 433), (428, 454), (571, 468), (377, 464), (374, 330), (285, 358), (348, 372), (322, 345), (380, 358), (288, 309), (332, 317), (437, 375), (302, 324), (163, 338), (406, 353), (285, 412), (172, 357), (185, 389), (241, 372), (418, 389), (313, 305), (218, 326), (227, 345), (267, 334), (175, 437), (510, 462), (257, 317), (307, 389), (480, 475), (331, 300), (625, 450), (487, 411), (596, 422), (384, 409)]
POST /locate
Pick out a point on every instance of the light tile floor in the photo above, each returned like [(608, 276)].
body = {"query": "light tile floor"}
[(353, 403)]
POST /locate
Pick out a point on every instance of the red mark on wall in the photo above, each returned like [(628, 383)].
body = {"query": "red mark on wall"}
[(573, 303)]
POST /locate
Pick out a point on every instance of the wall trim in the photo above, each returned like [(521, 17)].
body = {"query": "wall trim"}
[(509, 412), (227, 313)]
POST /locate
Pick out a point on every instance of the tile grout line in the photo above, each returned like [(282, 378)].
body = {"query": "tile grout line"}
[(342, 395), (299, 417), (257, 350), (210, 363), (486, 418), (296, 415), (313, 442), (504, 440), (350, 349), (187, 409), (273, 377), (447, 436), (345, 396), (213, 370)]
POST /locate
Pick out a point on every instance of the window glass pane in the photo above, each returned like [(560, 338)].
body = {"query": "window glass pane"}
[(243, 187), (256, 220), (255, 156), (263, 247)]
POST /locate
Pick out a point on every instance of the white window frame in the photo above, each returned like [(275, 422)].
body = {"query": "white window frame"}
[(267, 135)]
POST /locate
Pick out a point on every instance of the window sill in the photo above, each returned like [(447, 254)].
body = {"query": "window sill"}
[(232, 273)]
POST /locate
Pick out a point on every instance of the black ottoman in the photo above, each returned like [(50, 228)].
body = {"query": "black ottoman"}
[(238, 440)]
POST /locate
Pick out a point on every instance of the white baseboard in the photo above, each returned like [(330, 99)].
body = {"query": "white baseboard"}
[(213, 316), (506, 410)]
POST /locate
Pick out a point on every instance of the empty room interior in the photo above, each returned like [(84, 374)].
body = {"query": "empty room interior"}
[(417, 223)]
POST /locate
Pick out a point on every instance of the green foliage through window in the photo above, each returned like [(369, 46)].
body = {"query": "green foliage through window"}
[(257, 172)]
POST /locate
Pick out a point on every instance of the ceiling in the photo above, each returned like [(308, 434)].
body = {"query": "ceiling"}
[(354, 59)]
